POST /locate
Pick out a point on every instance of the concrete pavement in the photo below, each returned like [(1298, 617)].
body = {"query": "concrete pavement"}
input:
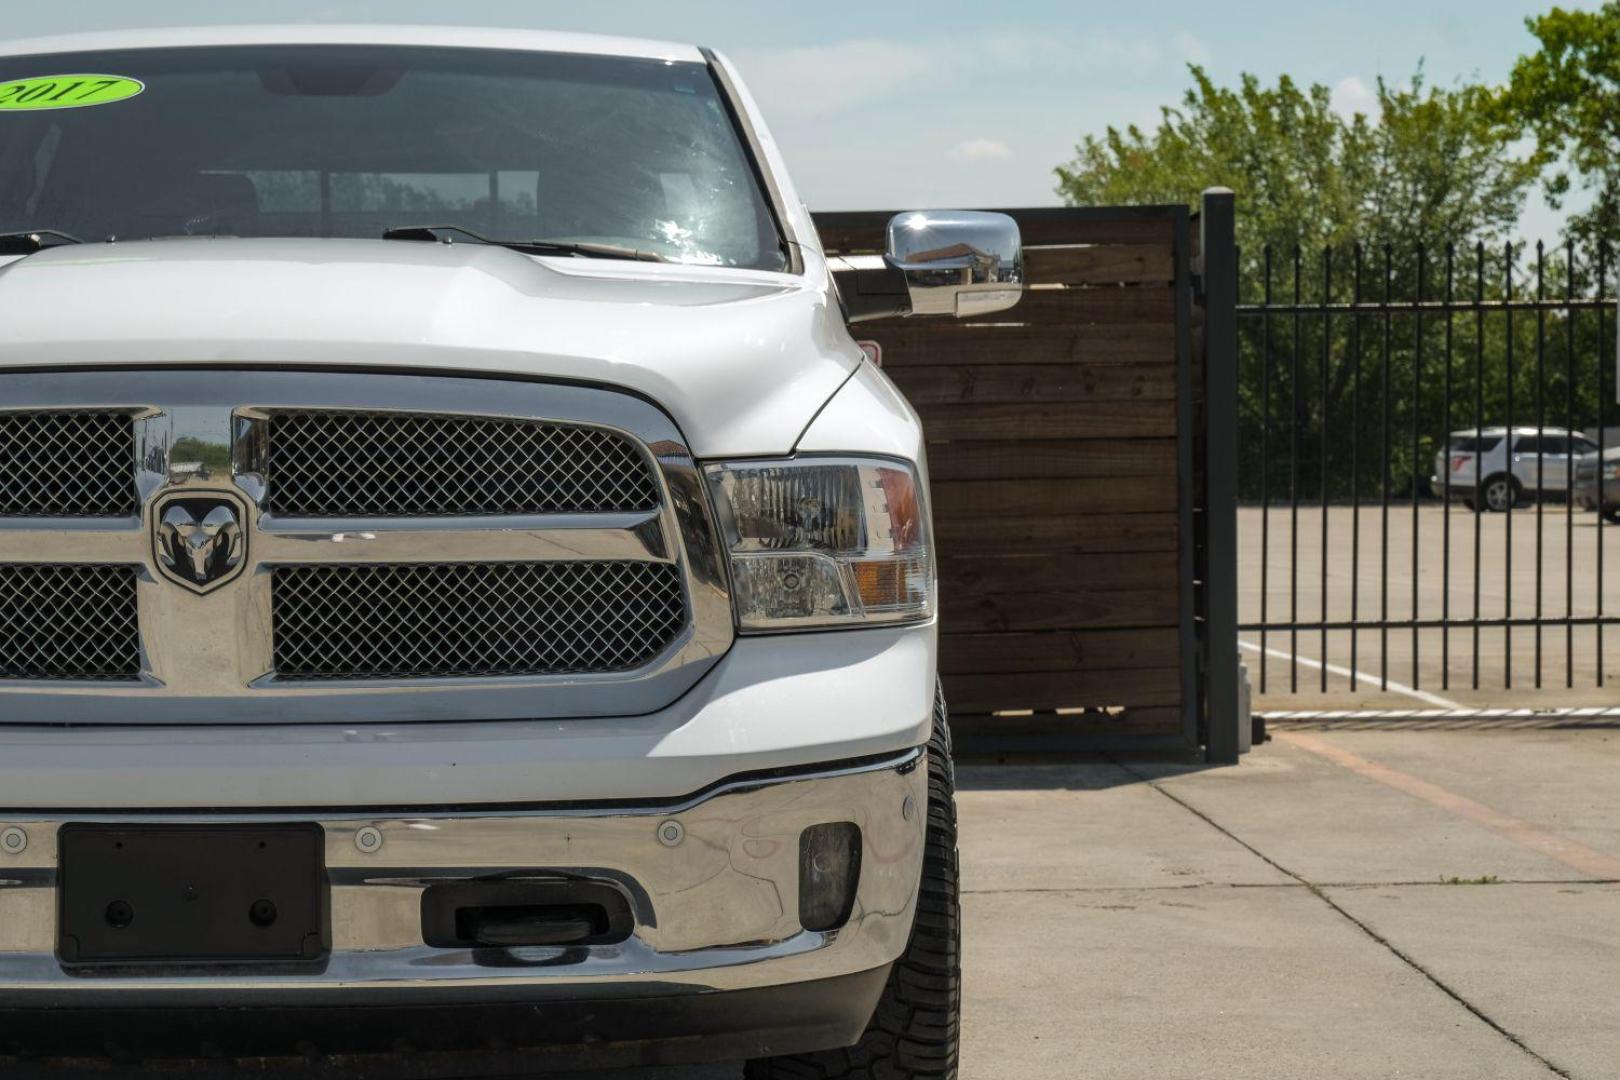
[(1349, 904)]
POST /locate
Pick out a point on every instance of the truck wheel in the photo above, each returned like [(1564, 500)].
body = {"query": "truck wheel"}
[(915, 1032)]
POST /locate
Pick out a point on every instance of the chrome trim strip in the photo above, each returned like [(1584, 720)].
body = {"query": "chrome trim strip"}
[(207, 657), (904, 762), (551, 538), (88, 540), (717, 911)]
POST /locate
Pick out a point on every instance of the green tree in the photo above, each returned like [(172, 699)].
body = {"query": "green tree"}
[(1372, 204), (1429, 167), (1567, 95)]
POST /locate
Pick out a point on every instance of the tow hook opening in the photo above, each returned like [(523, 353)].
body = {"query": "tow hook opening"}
[(515, 914)]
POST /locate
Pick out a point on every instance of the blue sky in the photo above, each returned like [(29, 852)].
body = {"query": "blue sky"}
[(882, 104)]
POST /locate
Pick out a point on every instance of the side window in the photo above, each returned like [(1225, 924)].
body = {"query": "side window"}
[(1579, 445), (1470, 445), (1548, 444)]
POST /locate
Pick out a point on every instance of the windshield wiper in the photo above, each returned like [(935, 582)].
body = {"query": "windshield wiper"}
[(28, 241), (528, 247)]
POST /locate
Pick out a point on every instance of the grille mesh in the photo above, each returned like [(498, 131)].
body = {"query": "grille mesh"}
[(472, 619), (67, 464), (337, 464), (68, 622)]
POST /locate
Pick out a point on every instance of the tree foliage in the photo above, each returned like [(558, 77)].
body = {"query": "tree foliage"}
[(1429, 167), (1567, 95), (1388, 208)]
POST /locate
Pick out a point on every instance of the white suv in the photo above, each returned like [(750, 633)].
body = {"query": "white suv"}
[(1527, 460), (461, 585)]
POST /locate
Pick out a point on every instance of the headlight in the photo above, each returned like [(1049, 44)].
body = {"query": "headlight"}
[(821, 542)]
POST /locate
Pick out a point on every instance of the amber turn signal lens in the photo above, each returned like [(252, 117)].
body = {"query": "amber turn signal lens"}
[(821, 541)]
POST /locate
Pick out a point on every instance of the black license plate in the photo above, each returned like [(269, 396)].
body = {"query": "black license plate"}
[(191, 894)]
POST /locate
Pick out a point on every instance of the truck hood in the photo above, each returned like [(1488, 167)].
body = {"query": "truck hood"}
[(741, 360)]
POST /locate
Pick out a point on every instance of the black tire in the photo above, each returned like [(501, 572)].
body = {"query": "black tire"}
[(916, 1030), (1611, 514), (1499, 494)]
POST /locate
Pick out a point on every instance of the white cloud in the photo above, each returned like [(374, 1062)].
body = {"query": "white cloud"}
[(980, 150), (1194, 50), (824, 79), (1020, 50), (1129, 53), (1351, 95), (1023, 50)]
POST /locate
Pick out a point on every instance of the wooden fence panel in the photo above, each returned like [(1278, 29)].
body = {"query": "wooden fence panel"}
[(1053, 439), (920, 344)]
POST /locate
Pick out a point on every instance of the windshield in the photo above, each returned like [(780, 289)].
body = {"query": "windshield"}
[(352, 140)]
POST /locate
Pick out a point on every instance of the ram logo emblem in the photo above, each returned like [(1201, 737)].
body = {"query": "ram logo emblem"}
[(200, 541)]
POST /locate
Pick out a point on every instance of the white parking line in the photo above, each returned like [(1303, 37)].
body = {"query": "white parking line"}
[(1560, 714), (1359, 676)]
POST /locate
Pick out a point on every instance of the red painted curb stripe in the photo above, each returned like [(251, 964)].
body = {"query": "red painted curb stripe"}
[(1571, 853)]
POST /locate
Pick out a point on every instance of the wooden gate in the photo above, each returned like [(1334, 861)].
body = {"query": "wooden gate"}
[(1060, 447)]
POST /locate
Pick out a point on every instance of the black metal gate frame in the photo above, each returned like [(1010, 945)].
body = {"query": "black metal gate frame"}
[(1381, 311), (1217, 551)]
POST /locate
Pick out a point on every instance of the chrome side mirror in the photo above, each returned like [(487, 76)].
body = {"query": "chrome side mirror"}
[(937, 262), (957, 262)]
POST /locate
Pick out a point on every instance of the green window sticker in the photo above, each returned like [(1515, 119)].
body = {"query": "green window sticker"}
[(66, 91)]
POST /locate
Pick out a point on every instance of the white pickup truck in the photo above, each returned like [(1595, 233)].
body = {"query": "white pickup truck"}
[(462, 588)]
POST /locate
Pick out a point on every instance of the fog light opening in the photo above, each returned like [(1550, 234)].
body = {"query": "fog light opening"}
[(829, 873)]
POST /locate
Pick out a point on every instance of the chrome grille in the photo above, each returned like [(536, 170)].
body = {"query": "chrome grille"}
[(361, 464), (449, 548), (424, 620), (67, 464), (68, 622)]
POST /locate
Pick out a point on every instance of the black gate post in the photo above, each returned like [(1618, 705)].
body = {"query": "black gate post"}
[(1218, 255)]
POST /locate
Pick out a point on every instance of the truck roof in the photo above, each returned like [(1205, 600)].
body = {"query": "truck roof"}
[(321, 34)]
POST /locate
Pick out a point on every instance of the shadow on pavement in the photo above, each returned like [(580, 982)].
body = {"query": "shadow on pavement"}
[(1058, 771)]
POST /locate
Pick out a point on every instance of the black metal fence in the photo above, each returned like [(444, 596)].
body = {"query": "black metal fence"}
[(1355, 368)]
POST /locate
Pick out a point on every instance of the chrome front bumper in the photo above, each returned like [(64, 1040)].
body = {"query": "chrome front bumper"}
[(715, 911)]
